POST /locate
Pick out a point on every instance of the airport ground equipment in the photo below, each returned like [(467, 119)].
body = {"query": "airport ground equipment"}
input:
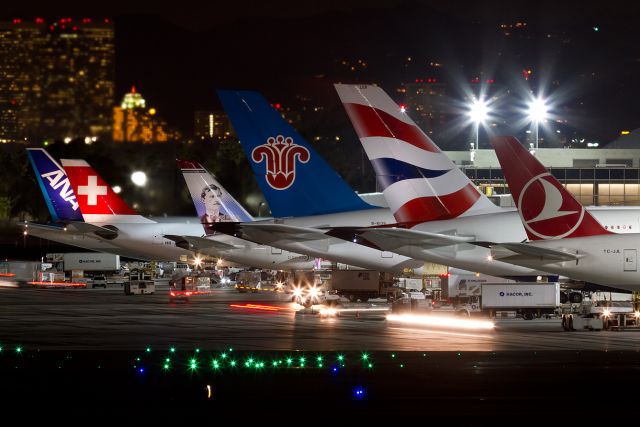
[(363, 284), (519, 299), (601, 310), (140, 283), (185, 287), (254, 281)]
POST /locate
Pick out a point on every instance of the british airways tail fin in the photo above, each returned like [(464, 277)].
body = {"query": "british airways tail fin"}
[(418, 180), (295, 180), (547, 209), (55, 186), (213, 203), (98, 202)]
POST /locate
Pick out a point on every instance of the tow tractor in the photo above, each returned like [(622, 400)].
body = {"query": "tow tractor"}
[(140, 282), (597, 314)]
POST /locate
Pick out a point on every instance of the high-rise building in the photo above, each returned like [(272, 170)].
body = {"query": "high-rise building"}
[(56, 79), (134, 122), (212, 125), (427, 103)]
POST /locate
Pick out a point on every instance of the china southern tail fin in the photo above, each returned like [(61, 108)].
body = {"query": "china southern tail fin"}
[(295, 180), (213, 203), (55, 186), (547, 209), (98, 202), (418, 180)]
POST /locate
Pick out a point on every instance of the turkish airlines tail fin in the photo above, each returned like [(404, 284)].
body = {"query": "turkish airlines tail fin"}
[(213, 203), (55, 186), (295, 180), (98, 202), (418, 180), (547, 209)]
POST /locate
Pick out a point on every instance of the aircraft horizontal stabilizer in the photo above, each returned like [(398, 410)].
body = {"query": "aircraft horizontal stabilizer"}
[(503, 250), (285, 231), (391, 238), (74, 228), (85, 227), (197, 243)]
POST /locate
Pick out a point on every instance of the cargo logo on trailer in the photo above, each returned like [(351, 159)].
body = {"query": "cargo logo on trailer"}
[(280, 156), (516, 294)]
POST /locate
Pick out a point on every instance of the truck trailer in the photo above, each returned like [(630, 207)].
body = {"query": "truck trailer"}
[(522, 299)]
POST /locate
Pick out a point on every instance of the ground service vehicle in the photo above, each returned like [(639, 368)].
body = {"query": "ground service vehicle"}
[(528, 300), (597, 312), (140, 282), (254, 281), (188, 286), (91, 261), (100, 280), (363, 284)]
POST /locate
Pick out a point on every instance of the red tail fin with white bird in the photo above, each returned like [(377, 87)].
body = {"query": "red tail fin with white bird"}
[(547, 209)]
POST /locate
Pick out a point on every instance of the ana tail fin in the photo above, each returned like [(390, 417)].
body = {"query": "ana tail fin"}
[(418, 180), (547, 209), (295, 180), (55, 186)]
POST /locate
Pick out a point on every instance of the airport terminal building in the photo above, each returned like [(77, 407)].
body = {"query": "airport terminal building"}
[(603, 176)]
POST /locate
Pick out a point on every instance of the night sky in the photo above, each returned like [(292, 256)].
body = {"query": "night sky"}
[(178, 54)]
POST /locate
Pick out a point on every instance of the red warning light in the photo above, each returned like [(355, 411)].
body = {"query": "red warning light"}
[(277, 106), (39, 21), (17, 21)]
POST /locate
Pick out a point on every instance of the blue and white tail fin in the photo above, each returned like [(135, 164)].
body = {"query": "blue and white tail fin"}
[(213, 203), (295, 180), (55, 186), (418, 180)]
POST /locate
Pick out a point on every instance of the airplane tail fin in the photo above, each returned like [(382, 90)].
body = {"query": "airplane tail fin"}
[(547, 209), (418, 180), (213, 203), (98, 202), (295, 180), (55, 186)]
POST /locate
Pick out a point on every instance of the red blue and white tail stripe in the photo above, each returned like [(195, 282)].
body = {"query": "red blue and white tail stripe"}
[(418, 180)]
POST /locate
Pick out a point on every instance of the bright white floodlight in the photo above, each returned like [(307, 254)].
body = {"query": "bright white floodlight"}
[(537, 113), (139, 178), (538, 110), (478, 111)]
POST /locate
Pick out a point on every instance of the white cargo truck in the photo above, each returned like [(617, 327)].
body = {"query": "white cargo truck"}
[(91, 261), (522, 299)]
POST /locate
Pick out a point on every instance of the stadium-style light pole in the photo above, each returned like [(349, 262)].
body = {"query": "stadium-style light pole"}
[(478, 113), (537, 112)]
